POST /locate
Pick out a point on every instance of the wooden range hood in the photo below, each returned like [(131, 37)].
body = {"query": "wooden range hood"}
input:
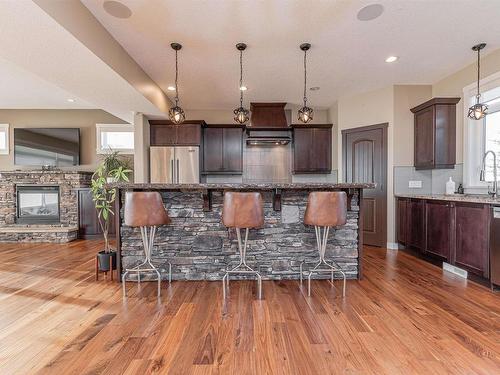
[(267, 116)]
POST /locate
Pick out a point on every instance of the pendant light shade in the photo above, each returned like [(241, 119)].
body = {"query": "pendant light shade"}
[(305, 113), (478, 110), (176, 113), (241, 114)]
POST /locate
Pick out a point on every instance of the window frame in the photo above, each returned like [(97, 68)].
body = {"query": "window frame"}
[(101, 128), (474, 135), (6, 128)]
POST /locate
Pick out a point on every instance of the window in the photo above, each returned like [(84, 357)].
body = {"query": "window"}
[(116, 137), (4, 139), (481, 136)]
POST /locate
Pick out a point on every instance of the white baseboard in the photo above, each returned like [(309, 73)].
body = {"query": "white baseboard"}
[(455, 270), (392, 245)]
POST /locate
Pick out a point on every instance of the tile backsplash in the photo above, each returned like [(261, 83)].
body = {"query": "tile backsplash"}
[(433, 181)]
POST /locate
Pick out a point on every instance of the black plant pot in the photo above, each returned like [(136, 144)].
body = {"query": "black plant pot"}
[(103, 258)]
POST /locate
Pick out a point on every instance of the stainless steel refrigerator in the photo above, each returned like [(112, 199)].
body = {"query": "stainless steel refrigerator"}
[(174, 165)]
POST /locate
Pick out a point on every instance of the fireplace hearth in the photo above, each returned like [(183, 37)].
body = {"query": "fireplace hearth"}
[(37, 204)]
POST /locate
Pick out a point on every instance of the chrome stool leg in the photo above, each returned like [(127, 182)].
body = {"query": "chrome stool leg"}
[(242, 267), (147, 241), (321, 239)]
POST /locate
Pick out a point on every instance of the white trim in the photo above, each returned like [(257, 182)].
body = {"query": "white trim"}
[(112, 128), (6, 150), (473, 134), (392, 245)]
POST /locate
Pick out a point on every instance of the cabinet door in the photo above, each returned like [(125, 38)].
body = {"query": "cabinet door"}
[(302, 144), (213, 150), (321, 150), (188, 135), (424, 138), (438, 229), (472, 225), (402, 220), (163, 135), (233, 150), (416, 228), (87, 215)]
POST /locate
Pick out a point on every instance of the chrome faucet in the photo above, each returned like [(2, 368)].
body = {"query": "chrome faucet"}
[(492, 193)]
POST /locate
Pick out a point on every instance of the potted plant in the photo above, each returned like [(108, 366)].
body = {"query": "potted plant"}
[(114, 169)]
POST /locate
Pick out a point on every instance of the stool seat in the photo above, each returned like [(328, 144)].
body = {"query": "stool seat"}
[(242, 210), (326, 208)]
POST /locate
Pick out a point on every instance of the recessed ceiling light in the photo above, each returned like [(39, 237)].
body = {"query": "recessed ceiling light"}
[(243, 88), (370, 12), (391, 59), (71, 100), (117, 9), (314, 88), (171, 88)]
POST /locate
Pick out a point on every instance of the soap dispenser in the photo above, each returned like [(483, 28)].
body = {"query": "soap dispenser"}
[(450, 187)]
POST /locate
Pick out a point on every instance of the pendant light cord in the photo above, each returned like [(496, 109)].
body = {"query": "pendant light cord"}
[(241, 78), (478, 72), (305, 77), (176, 78)]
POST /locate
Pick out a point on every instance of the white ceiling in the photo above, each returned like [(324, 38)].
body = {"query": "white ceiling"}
[(24, 90), (432, 38)]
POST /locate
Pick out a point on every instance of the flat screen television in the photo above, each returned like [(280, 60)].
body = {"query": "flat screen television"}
[(57, 147)]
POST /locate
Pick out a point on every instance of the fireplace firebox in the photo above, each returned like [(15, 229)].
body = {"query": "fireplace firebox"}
[(37, 204)]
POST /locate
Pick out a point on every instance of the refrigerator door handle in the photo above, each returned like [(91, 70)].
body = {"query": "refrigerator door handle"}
[(178, 166), (172, 169)]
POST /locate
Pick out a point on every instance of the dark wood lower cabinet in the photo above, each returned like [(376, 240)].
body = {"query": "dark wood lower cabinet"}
[(453, 232), (472, 232), (438, 238), (88, 222)]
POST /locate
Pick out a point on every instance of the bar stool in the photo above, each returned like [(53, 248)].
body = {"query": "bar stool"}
[(242, 210), (325, 209), (145, 210)]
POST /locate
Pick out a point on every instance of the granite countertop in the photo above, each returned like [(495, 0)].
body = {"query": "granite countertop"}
[(270, 186), (472, 198), (40, 171)]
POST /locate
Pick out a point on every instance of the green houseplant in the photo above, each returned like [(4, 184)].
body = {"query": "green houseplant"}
[(111, 169)]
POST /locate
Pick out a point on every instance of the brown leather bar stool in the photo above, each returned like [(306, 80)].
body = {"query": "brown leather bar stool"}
[(325, 209), (242, 210), (146, 211)]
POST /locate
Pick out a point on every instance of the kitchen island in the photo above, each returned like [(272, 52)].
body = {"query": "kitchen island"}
[(201, 248)]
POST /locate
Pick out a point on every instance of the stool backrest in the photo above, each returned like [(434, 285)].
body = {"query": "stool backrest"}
[(145, 209), (242, 210), (326, 208)]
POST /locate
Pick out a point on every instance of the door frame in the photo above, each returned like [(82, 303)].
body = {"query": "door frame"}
[(385, 150)]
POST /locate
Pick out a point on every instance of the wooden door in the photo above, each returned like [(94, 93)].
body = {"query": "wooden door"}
[(472, 226), (401, 220), (188, 135), (233, 150), (212, 150), (365, 160), (438, 222), (302, 144), (424, 139), (163, 135), (416, 224)]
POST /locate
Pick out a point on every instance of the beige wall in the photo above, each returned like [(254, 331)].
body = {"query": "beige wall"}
[(84, 119), (454, 84)]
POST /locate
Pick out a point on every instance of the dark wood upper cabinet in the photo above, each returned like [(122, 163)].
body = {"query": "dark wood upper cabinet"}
[(435, 133), (472, 232), (165, 133), (438, 219), (312, 148), (222, 150)]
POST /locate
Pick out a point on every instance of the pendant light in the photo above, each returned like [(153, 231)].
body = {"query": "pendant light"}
[(305, 113), (478, 110), (241, 114), (176, 114)]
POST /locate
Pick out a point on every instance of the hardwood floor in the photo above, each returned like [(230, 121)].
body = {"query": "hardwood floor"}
[(405, 317)]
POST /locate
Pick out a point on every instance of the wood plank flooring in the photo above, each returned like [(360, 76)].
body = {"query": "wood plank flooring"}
[(405, 317)]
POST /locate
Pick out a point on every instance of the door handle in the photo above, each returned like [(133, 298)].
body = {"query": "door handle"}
[(178, 170)]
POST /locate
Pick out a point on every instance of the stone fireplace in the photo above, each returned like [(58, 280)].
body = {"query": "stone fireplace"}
[(40, 206)]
